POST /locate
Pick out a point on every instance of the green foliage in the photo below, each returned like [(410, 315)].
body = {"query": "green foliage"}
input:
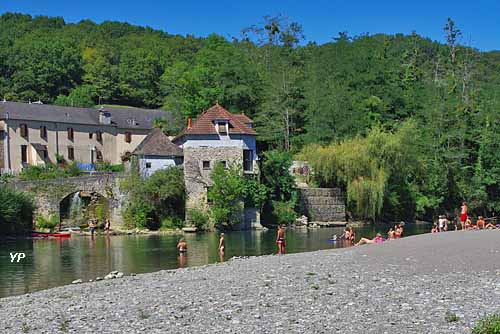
[(160, 196), (48, 223), (366, 165), (49, 171), (106, 166), (169, 223), (199, 218), (298, 94), (488, 325), (276, 175), (283, 212), (82, 96), (226, 195), (16, 211), (140, 214)]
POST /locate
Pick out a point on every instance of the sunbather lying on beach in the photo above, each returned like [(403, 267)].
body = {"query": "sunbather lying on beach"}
[(377, 240)]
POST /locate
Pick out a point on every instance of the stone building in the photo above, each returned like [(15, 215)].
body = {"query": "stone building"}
[(157, 152), (216, 136), (35, 133)]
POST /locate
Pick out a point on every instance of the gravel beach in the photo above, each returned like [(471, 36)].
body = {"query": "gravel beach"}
[(402, 286)]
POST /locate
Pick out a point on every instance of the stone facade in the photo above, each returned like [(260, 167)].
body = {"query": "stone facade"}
[(48, 194), (323, 204), (197, 178)]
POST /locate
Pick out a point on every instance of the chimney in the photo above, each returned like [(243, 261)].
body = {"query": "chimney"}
[(189, 123)]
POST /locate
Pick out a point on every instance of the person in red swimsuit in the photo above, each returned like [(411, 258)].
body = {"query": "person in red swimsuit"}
[(463, 215)]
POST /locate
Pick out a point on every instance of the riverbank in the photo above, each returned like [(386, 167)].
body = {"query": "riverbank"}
[(401, 286)]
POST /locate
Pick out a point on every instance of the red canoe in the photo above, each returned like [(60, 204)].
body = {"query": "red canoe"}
[(55, 235)]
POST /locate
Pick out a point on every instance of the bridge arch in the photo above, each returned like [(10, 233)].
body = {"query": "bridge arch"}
[(49, 194)]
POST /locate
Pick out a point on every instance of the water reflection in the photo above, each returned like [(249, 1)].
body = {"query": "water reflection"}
[(50, 263)]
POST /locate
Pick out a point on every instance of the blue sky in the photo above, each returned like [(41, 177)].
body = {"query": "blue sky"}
[(322, 19)]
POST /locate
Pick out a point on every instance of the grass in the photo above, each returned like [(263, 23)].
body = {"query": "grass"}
[(488, 325), (451, 317)]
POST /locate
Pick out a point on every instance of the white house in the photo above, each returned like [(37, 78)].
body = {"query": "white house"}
[(157, 152)]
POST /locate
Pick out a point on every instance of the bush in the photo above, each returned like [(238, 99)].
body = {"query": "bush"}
[(488, 325), (198, 218), (106, 166), (284, 213), (171, 223), (47, 223), (49, 171), (139, 215), (16, 211), (152, 200)]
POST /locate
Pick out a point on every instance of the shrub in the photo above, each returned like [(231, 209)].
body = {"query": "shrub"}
[(139, 214), (160, 196), (49, 171), (47, 223), (198, 218), (488, 325), (284, 213), (16, 211), (106, 166), (226, 196), (170, 223)]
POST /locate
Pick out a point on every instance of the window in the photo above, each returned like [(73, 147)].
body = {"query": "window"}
[(248, 160), (24, 130), (224, 163), (98, 136), (91, 135), (148, 164), (2, 134), (206, 164), (43, 132), (71, 153), (128, 137), (98, 155), (24, 154), (222, 128), (71, 134)]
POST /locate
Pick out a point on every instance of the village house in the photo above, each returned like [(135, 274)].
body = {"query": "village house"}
[(35, 133), (157, 152), (217, 136)]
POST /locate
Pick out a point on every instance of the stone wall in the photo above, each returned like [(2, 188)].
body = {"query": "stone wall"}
[(323, 204), (197, 178), (48, 194)]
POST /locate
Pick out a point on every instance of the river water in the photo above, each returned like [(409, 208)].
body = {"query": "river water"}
[(51, 263)]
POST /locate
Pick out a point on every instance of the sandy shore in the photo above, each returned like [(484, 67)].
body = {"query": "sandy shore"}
[(401, 286)]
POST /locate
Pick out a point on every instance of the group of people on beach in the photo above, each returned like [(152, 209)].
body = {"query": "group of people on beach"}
[(443, 223), (395, 232)]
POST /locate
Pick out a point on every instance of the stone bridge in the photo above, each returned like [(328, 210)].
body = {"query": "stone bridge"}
[(48, 194)]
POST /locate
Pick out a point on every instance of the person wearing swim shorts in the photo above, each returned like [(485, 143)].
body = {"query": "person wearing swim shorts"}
[(280, 240), (182, 246), (463, 215)]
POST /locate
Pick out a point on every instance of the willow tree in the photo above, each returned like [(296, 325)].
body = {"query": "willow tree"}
[(365, 165)]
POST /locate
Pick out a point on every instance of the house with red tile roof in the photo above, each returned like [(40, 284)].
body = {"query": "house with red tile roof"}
[(216, 136)]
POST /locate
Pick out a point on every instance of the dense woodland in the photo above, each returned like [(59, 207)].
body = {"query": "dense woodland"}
[(408, 126)]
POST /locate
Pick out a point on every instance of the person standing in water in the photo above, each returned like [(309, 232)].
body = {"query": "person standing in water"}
[(463, 215), (92, 226), (222, 244), (280, 240), (182, 246), (107, 225)]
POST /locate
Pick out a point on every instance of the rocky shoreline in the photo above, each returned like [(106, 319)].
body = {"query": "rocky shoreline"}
[(440, 283)]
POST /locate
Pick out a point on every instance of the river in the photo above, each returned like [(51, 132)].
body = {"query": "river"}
[(51, 263)]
